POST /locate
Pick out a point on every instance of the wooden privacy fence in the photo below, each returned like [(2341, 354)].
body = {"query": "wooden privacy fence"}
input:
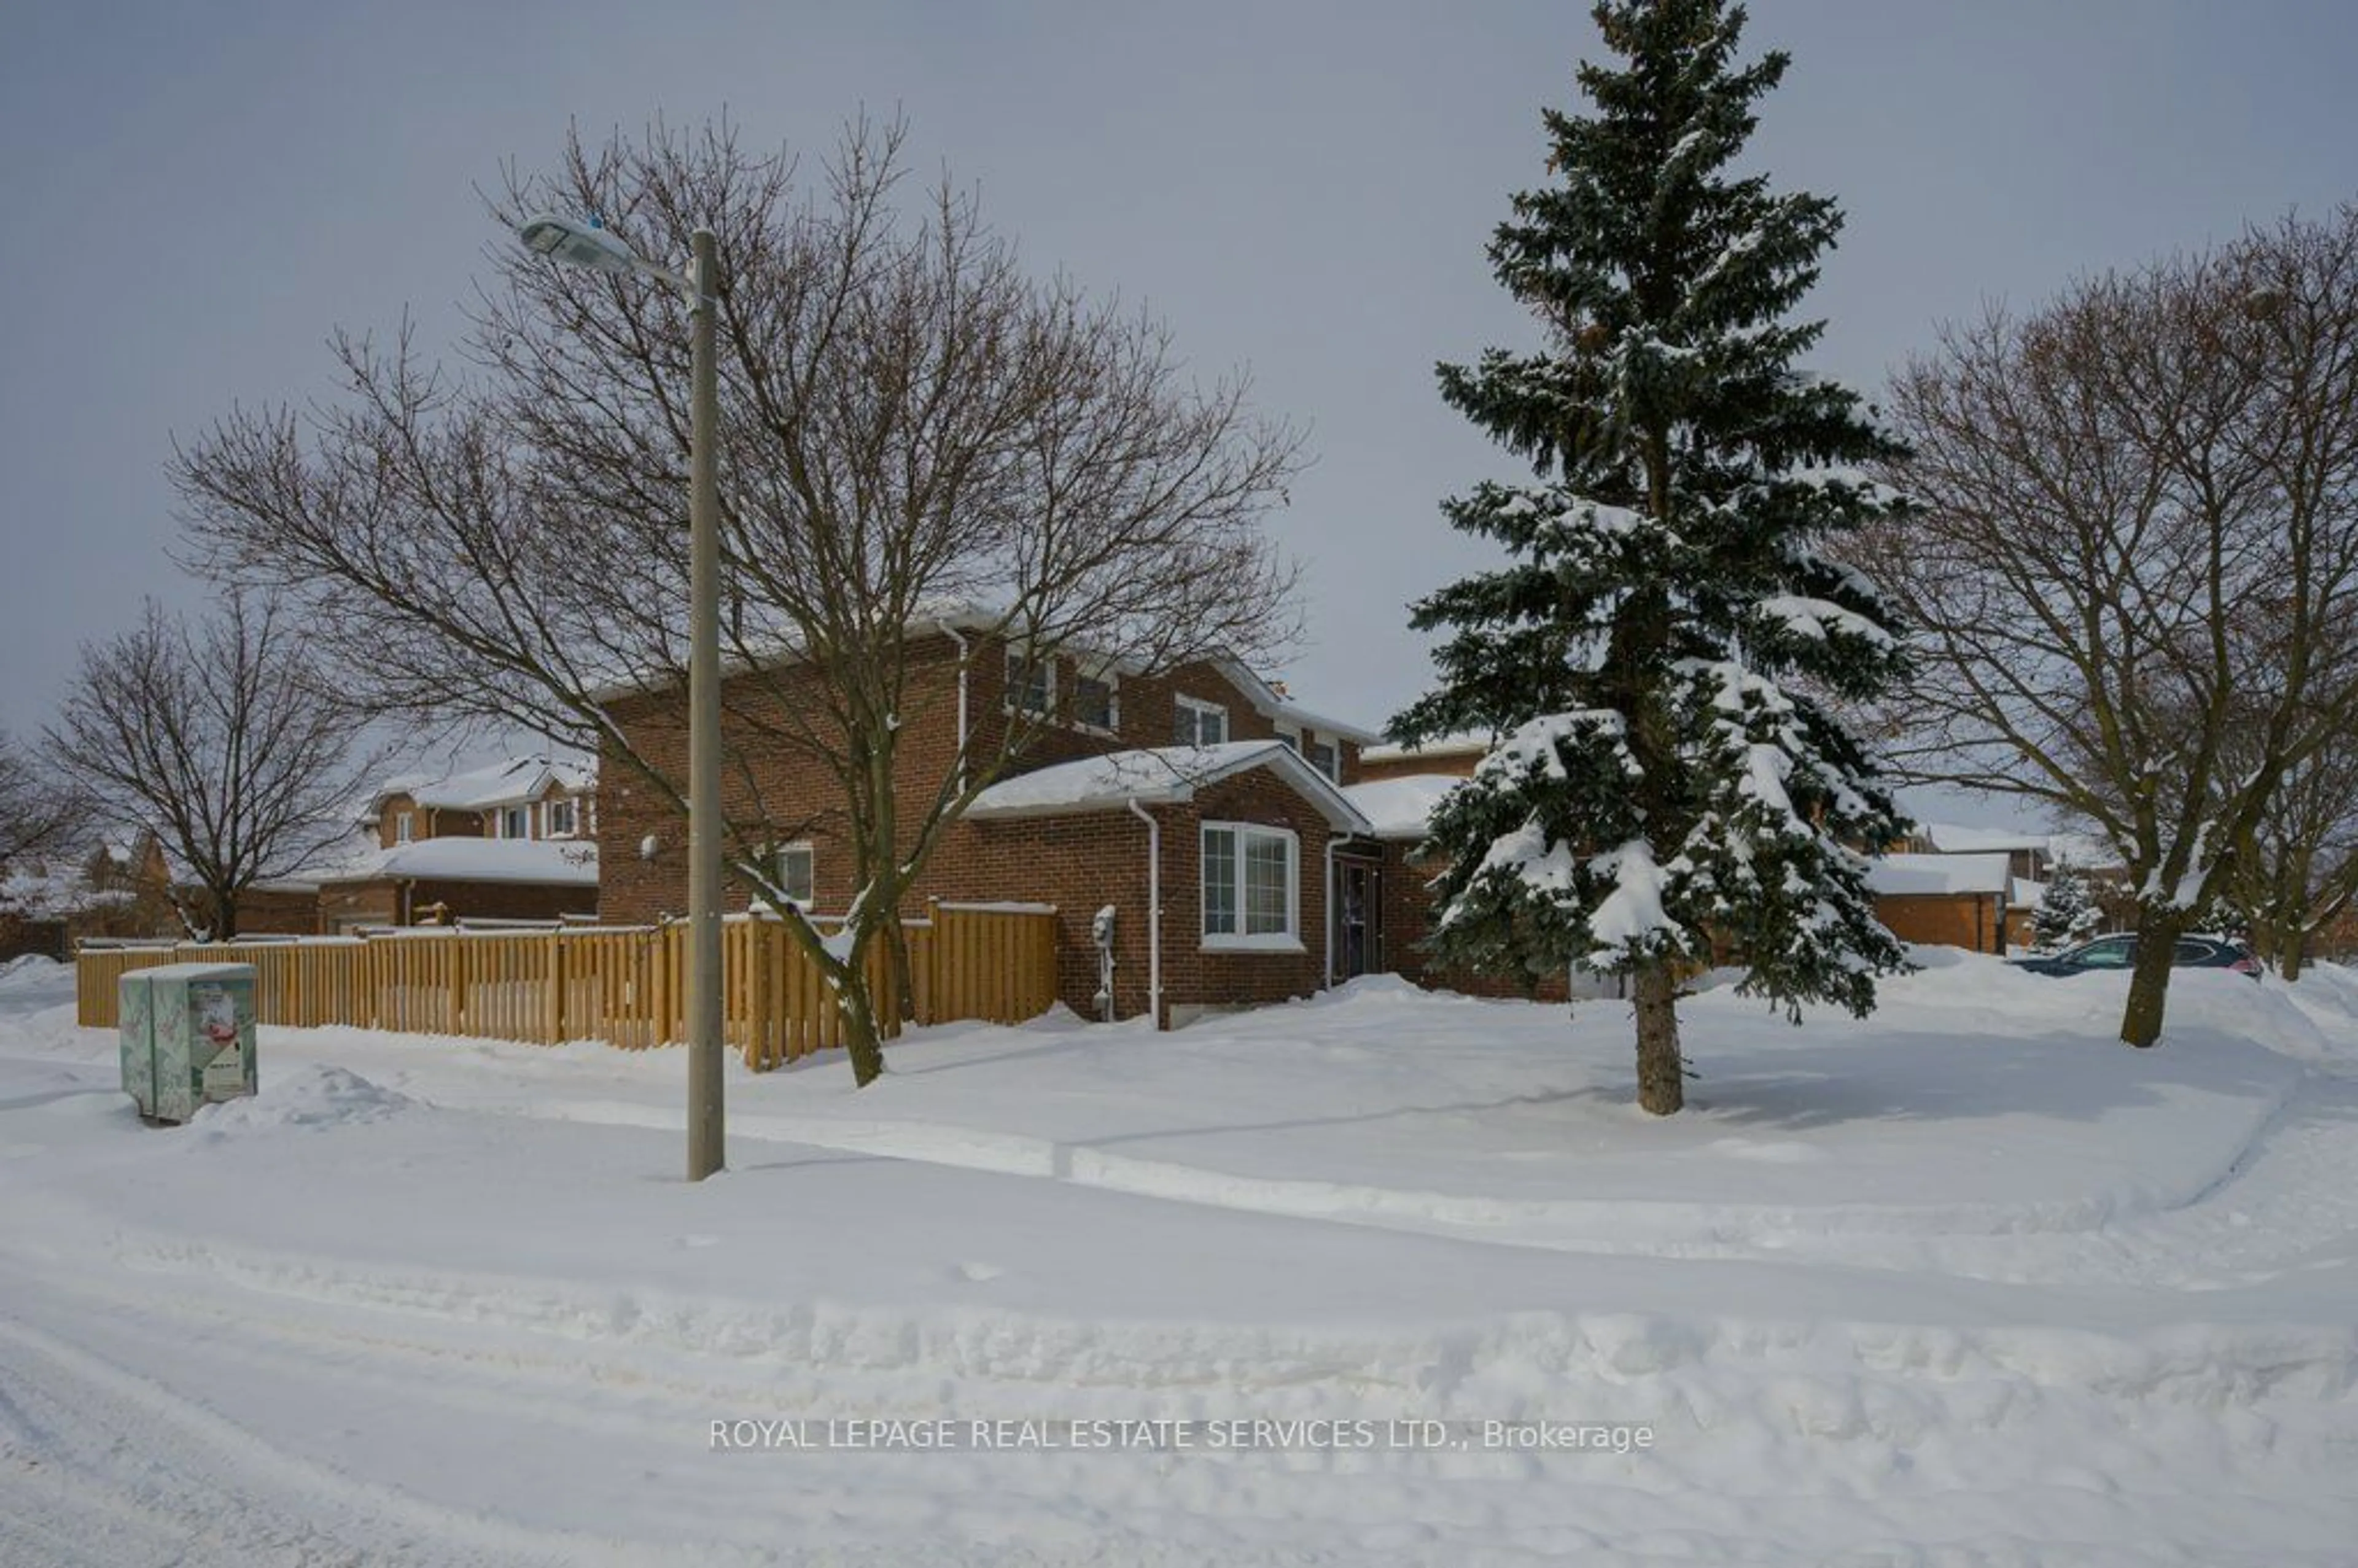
[(625, 985)]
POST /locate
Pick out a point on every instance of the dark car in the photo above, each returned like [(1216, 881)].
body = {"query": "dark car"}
[(2120, 953)]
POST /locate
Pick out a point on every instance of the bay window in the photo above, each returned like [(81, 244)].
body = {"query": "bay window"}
[(1252, 886)]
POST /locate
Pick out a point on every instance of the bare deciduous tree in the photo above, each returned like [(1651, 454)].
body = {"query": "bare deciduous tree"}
[(40, 813), (2295, 872), (910, 424), (220, 739), (2134, 566)]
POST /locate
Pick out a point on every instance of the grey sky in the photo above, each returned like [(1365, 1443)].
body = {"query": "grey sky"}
[(196, 195)]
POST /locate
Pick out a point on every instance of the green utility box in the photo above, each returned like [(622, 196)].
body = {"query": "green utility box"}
[(187, 1037)]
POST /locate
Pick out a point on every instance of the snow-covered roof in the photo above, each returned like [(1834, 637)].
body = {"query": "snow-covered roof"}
[(509, 782), (1949, 838), (1401, 808), (1278, 705), (1155, 776), (465, 860), (45, 891), (1901, 875)]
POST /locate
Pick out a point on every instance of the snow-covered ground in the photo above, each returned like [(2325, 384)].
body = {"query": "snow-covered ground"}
[(1966, 1283)]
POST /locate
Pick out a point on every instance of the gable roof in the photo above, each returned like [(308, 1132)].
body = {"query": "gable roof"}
[(1159, 775), (1903, 875)]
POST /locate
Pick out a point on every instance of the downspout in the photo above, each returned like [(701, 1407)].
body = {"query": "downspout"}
[(1328, 983), (953, 634), (1154, 910)]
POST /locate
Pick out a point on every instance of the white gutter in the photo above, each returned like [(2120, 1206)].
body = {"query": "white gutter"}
[(1154, 910), (953, 634)]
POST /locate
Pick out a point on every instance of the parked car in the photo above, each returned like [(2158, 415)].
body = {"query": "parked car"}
[(2119, 952)]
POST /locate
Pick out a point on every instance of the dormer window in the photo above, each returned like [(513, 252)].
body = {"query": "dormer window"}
[(560, 818), (516, 822), (404, 827)]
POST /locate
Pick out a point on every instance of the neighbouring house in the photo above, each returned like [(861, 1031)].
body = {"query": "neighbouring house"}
[(1202, 806), (514, 839), (1952, 900), (115, 888)]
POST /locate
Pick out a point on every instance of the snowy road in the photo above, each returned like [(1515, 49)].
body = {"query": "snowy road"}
[(420, 1306)]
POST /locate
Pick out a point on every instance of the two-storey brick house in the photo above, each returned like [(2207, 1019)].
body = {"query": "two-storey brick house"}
[(514, 839), (1202, 806)]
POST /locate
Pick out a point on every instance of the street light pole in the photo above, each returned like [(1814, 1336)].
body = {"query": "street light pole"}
[(586, 244), (705, 1139)]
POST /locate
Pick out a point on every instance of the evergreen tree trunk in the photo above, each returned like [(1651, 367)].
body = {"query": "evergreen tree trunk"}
[(1661, 1074), (2150, 982)]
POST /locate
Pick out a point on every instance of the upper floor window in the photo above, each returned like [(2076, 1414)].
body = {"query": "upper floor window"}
[(1200, 723), (404, 827), (561, 818), (1095, 702), (516, 822), (1031, 685), (1324, 756)]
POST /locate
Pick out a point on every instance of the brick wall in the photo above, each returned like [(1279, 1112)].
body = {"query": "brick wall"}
[(766, 778), (345, 905), (1079, 863), (379, 901), (278, 911), (1971, 920)]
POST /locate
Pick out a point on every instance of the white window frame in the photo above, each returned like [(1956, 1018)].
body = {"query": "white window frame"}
[(549, 810), (1112, 683), (404, 827), (1202, 711), (521, 814), (1240, 941), (1020, 662), (808, 898)]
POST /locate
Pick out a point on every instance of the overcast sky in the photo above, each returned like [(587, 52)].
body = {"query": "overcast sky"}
[(195, 196)]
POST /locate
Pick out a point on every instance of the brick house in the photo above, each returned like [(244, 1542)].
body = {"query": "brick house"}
[(512, 841), (1204, 785)]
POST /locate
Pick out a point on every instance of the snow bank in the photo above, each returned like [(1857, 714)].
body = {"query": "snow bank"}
[(310, 1096)]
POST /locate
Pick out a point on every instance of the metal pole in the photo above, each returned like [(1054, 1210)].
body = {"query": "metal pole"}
[(705, 1139)]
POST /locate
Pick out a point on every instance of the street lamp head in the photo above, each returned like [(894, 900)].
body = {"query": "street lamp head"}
[(576, 242)]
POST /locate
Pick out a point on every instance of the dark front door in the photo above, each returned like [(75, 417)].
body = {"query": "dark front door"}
[(1359, 917)]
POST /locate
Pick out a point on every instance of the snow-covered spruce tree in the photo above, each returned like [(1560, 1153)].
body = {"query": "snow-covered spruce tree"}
[(1671, 781), (2066, 909)]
